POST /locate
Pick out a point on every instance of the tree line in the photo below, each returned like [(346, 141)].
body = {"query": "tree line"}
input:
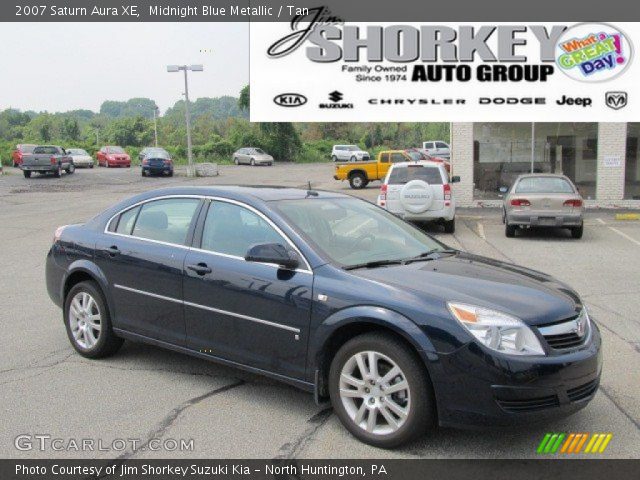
[(219, 127)]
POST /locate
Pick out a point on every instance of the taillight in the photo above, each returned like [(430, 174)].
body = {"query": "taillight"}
[(576, 202), (54, 160), (383, 193), (447, 191), (167, 162), (58, 233), (145, 162), (520, 202)]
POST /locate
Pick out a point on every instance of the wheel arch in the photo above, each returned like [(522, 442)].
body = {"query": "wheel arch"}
[(84, 270), (346, 324), (358, 170)]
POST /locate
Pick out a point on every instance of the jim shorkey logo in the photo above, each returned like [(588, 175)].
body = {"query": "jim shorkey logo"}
[(498, 53)]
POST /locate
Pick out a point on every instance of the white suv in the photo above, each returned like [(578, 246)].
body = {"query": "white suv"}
[(348, 153), (419, 192)]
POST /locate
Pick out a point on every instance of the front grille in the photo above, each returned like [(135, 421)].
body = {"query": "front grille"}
[(583, 391), (530, 404), (566, 340)]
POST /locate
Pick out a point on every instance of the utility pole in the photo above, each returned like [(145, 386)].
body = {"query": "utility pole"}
[(187, 113)]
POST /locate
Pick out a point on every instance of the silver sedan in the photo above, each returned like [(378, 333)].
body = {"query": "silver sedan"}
[(252, 156), (543, 200)]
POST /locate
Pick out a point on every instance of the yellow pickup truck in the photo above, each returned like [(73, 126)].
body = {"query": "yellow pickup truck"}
[(360, 174)]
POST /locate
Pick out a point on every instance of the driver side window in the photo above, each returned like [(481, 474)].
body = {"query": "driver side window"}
[(232, 229)]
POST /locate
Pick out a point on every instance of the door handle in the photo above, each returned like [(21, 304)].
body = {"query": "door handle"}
[(200, 268), (113, 251)]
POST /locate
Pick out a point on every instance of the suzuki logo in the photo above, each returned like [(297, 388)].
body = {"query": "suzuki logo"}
[(616, 100), (336, 96), (290, 100)]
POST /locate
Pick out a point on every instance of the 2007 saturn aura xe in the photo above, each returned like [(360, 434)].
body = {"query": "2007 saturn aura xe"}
[(334, 295)]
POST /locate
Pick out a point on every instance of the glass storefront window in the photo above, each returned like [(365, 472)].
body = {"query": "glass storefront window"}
[(632, 163), (502, 151)]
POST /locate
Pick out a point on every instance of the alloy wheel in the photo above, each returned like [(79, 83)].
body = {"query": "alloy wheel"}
[(85, 320), (375, 393)]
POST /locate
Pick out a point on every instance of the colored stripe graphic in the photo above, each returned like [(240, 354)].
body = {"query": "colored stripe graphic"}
[(573, 443)]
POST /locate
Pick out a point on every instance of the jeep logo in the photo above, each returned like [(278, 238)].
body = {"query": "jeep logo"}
[(290, 100)]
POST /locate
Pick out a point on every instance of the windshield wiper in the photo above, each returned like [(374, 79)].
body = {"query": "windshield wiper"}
[(428, 255), (373, 264)]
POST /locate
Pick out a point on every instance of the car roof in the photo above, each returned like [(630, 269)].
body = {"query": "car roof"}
[(537, 175), (241, 193), (424, 163)]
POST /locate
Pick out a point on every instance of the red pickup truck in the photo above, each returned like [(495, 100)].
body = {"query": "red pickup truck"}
[(110, 156), (20, 151)]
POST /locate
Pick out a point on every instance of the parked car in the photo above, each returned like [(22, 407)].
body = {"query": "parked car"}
[(47, 159), (20, 151), (147, 150), (360, 174), (252, 156), (419, 192), (349, 153), (543, 200), (158, 162), (80, 157), (437, 148), (418, 154), (331, 294), (111, 156)]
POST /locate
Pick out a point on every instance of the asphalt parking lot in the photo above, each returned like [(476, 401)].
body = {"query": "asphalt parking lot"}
[(144, 392)]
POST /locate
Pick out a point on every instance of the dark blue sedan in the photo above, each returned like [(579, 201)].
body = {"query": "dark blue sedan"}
[(333, 295)]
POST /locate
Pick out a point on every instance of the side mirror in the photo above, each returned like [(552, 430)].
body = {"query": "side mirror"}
[(455, 179), (274, 253)]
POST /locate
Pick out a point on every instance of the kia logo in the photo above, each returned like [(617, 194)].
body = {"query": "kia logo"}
[(290, 100)]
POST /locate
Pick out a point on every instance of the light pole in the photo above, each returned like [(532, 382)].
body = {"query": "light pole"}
[(155, 122), (185, 68)]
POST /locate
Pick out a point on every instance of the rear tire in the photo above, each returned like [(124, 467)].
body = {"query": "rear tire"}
[(235, 160), (510, 230), (413, 407), (576, 232), (253, 162), (26, 174), (334, 158), (89, 319), (58, 172), (450, 226), (357, 181)]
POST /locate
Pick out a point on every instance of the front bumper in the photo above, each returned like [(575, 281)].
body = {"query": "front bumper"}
[(545, 219), (476, 388)]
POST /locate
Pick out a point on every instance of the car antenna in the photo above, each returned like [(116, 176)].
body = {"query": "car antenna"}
[(310, 191)]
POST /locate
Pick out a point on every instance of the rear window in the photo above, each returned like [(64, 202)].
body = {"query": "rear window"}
[(45, 150), (544, 185), (400, 176), (27, 148)]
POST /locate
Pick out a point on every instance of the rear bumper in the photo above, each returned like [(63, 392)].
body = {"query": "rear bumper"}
[(39, 168), (480, 389), (158, 169), (545, 219)]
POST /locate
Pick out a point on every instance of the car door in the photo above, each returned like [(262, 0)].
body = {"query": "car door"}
[(442, 150), (251, 313), (142, 256)]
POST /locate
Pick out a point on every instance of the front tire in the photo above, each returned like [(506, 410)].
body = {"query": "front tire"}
[(253, 162), (353, 158), (71, 169), (380, 391), (88, 322)]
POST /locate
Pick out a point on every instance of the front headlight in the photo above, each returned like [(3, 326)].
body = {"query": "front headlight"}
[(496, 330)]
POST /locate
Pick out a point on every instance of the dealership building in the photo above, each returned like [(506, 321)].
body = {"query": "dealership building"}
[(602, 159)]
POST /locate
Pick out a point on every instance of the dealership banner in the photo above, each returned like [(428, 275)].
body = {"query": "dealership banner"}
[(318, 67)]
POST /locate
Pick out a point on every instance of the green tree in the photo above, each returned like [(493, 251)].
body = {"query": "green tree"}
[(245, 98)]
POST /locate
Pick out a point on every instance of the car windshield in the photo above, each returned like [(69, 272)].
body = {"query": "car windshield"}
[(402, 175), (115, 149), (544, 185), (353, 232), (258, 150), (77, 151)]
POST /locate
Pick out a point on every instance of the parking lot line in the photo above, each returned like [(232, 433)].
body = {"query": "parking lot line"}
[(619, 232)]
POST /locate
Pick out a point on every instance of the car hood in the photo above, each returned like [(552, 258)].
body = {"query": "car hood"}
[(534, 297)]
